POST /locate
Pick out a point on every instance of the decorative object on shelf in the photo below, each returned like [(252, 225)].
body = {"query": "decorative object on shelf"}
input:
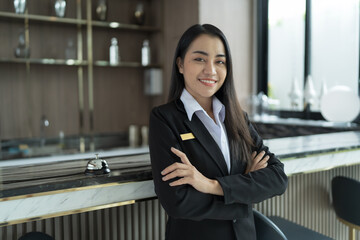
[(309, 92), (97, 166), (114, 52), (263, 104), (295, 94), (70, 52), (340, 104), (134, 136), (323, 91), (22, 51), (20, 6), (153, 83), (101, 10), (145, 53), (145, 136), (139, 13), (60, 7)]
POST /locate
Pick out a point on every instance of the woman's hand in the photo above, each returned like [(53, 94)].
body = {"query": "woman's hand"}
[(258, 161), (188, 174)]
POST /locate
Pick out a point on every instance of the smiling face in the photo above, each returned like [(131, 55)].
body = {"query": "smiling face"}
[(204, 67)]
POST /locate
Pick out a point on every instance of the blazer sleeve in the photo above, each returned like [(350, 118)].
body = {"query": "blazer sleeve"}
[(182, 201), (258, 185)]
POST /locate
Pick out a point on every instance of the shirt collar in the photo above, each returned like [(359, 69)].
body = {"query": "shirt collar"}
[(191, 106)]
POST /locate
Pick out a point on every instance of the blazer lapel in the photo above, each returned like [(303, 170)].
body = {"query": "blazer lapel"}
[(207, 141)]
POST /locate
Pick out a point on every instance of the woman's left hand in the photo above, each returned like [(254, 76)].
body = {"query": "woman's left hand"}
[(188, 174)]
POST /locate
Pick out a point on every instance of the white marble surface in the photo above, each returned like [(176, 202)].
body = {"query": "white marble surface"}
[(71, 202), (314, 143), (316, 152), (311, 154), (271, 119), (321, 162)]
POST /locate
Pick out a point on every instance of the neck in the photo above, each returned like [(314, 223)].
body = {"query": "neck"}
[(206, 104)]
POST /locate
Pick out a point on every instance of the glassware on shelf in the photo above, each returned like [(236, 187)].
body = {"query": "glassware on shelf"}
[(139, 13), (295, 95), (114, 52), (309, 92), (22, 51), (60, 7), (101, 10), (145, 53), (70, 52), (20, 6)]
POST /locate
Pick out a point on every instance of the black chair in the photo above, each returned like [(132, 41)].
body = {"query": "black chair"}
[(277, 228), (346, 202), (266, 229), (294, 231), (36, 236)]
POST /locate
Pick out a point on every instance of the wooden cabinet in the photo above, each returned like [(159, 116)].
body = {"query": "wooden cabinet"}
[(67, 77)]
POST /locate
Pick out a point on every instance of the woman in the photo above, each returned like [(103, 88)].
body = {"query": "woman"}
[(209, 164)]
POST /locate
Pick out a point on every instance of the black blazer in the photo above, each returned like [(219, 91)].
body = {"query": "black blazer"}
[(195, 215)]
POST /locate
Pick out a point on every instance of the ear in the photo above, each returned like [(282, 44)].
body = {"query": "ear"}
[(180, 65)]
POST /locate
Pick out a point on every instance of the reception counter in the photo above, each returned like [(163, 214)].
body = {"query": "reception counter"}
[(33, 189)]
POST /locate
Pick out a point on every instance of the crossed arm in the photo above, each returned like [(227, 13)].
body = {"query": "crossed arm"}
[(188, 174)]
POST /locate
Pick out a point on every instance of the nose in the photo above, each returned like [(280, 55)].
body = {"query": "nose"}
[(209, 68)]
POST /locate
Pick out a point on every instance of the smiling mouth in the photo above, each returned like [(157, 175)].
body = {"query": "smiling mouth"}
[(211, 81)]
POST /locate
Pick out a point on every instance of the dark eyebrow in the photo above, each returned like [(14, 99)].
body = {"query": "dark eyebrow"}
[(206, 54)]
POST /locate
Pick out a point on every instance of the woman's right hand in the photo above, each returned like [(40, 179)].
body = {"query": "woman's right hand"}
[(258, 161)]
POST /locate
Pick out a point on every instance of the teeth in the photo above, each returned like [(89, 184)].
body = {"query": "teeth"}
[(208, 81)]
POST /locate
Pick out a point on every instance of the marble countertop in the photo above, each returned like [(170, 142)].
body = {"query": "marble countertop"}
[(270, 119), (34, 189), (24, 177)]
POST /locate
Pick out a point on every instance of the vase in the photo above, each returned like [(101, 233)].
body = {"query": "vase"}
[(139, 14), (22, 51), (60, 7), (101, 10), (20, 6)]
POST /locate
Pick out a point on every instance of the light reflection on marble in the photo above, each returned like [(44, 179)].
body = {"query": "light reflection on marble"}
[(321, 162), (315, 143), (67, 202)]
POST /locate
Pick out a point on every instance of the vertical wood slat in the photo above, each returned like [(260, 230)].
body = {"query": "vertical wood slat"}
[(307, 202)]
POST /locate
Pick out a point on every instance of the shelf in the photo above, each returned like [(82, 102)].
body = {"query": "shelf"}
[(40, 18), (101, 63), (74, 62), (117, 25), (45, 61), (53, 19)]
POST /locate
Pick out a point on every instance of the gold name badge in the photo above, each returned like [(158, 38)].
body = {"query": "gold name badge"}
[(187, 136)]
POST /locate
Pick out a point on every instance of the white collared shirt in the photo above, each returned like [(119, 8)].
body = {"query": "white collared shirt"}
[(216, 130)]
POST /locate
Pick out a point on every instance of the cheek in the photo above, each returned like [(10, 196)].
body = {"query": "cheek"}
[(223, 74)]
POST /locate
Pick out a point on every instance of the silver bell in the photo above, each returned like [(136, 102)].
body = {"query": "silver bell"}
[(97, 166)]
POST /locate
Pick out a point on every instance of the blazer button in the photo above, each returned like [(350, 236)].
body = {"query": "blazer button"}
[(234, 221)]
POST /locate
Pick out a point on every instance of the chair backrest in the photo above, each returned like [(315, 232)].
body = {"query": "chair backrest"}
[(346, 198), (266, 229), (36, 236)]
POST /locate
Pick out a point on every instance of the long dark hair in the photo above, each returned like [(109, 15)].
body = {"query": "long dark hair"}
[(236, 126)]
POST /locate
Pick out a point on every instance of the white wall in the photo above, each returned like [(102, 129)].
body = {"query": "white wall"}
[(234, 18)]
